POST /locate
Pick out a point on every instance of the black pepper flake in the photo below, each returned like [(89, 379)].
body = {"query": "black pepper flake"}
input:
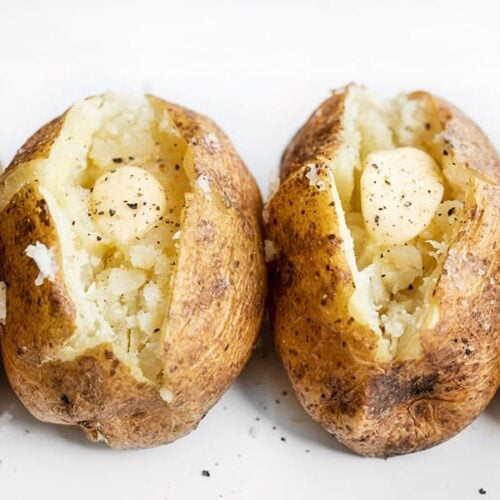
[(131, 158), (205, 473), (427, 126), (445, 152), (117, 160), (283, 438), (133, 206), (377, 218), (112, 212), (482, 491), (156, 330), (451, 211), (98, 238), (177, 167), (73, 223)]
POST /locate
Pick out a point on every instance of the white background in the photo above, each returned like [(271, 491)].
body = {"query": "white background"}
[(259, 69)]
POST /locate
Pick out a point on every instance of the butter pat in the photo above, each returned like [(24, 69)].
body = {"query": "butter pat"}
[(400, 192), (126, 203)]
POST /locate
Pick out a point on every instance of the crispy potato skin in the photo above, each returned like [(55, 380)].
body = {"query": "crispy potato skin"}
[(213, 319), (383, 408)]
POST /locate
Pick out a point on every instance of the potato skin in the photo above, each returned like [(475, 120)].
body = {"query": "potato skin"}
[(213, 320), (383, 408)]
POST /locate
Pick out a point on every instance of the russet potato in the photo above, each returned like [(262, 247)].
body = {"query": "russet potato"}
[(132, 261), (385, 269)]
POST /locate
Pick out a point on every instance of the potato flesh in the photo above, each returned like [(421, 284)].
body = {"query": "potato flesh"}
[(118, 276), (400, 192), (394, 271)]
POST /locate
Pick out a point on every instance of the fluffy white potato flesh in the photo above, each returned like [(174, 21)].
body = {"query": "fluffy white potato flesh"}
[(115, 184), (401, 190), (127, 202), (387, 170)]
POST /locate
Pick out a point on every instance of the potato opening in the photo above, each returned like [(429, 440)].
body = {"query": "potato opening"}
[(115, 184), (401, 205)]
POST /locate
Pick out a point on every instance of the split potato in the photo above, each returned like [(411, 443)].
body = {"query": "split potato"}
[(382, 238), (132, 269)]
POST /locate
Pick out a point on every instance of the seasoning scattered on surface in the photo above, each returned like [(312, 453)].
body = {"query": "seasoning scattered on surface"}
[(482, 491), (205, 473)]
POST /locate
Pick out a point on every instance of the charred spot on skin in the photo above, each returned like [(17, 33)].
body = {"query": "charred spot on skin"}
[(422, 384), (86, 424), (43, 213), (65, 399), (392, 389), (26, 227)]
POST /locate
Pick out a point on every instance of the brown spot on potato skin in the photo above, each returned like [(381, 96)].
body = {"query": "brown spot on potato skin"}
[(206, 231), (43, 212), (391, 389)]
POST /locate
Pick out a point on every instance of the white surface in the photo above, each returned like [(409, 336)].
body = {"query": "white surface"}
[(259, 69)]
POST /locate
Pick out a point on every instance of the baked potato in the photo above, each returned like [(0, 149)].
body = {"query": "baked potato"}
[(382, 241), (133, 269)]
